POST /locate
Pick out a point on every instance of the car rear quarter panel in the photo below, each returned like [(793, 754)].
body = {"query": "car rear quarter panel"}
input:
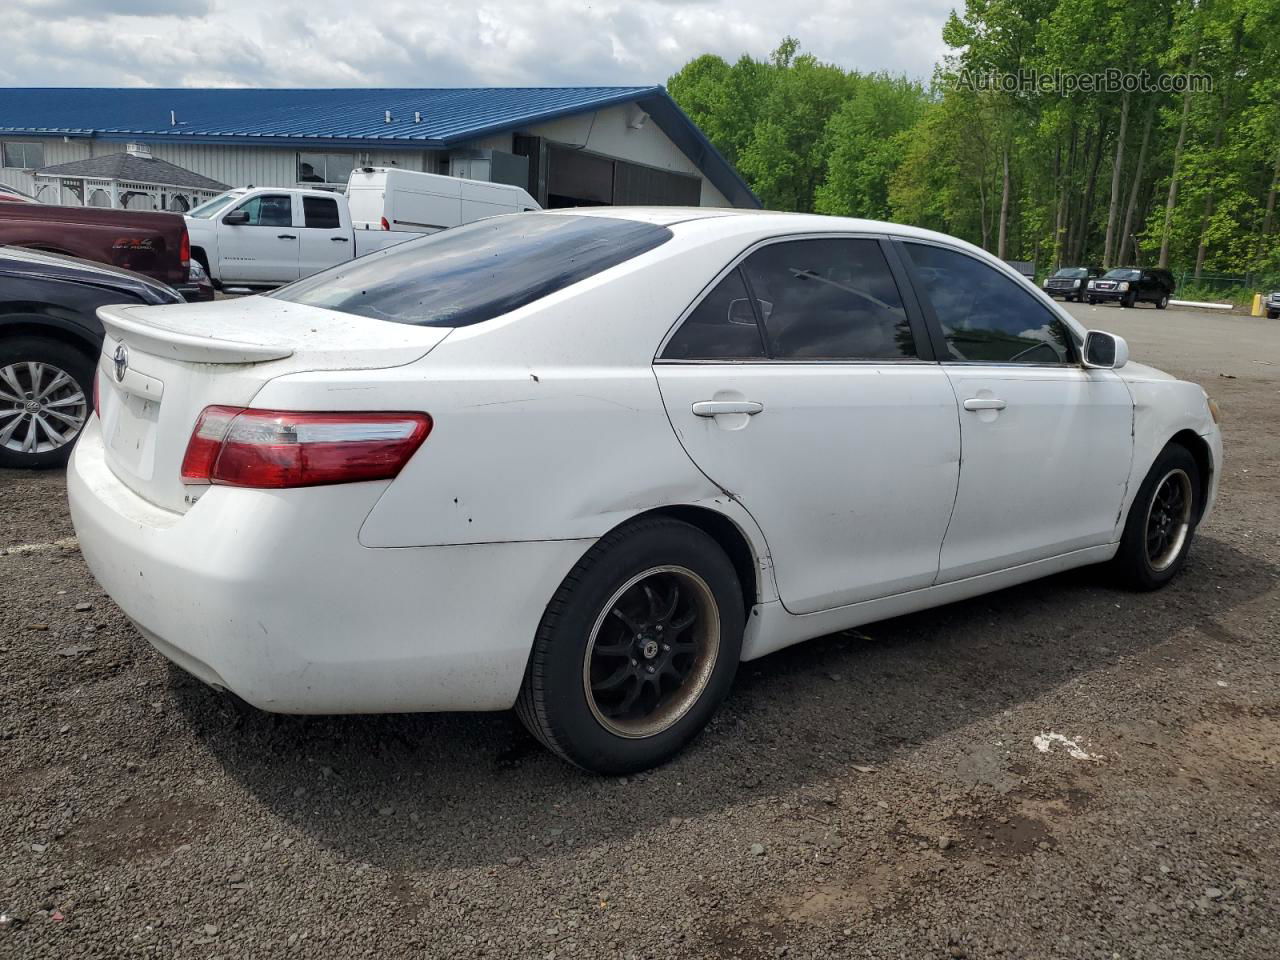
[(548, 423)]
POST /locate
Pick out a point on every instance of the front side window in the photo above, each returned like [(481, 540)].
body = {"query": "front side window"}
[(986, 317), (722, 327), (325, 167), (24, 156), (477, 271), (829, 299), (269, 210), (321, 213)]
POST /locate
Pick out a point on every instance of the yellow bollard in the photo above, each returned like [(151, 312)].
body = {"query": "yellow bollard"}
[(1257, 305)]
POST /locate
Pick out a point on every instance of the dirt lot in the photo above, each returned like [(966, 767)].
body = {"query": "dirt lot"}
[(871, 794)]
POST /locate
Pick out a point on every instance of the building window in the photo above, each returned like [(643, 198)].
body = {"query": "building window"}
[(325, 167), (25, 156)]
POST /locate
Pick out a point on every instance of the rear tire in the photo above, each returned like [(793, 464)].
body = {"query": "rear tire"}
[(46, 396), (1162, 521), (636, 650), (1162, 302)]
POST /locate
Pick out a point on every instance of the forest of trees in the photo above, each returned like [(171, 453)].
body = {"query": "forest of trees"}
[(1180, 179)]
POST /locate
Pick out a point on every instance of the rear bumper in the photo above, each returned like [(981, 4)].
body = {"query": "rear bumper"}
[(268, 594)]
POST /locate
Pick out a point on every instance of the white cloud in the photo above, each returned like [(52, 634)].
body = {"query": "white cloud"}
[(407, 43)]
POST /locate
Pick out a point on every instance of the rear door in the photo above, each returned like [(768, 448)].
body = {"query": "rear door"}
[(1047, 443), (264, 250), (323, 239), (802, 383)]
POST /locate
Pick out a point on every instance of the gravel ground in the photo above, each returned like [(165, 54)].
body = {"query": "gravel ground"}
[(871, 794)]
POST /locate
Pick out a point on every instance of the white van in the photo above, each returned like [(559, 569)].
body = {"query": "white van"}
[(387, 198)]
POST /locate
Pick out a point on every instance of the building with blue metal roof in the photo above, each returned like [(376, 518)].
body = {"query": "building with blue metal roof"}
[(568, 146)]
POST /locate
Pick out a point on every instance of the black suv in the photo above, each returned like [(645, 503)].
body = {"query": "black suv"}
[(50, 338), (1069, 282), (1130, 285)]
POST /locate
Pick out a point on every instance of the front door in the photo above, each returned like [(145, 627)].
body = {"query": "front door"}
[(800, 385), (264, 250), (1047, 443)]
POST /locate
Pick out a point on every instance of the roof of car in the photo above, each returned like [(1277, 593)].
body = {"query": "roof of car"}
[(57, 266)]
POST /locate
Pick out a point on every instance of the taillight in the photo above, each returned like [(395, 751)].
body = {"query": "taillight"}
[(385, 225), (273, 449), (184, 247)]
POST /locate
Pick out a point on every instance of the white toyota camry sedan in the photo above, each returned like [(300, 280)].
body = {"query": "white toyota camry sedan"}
[(583, 463)]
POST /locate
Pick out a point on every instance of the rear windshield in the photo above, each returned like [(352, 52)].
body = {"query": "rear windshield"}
[(478, 271)]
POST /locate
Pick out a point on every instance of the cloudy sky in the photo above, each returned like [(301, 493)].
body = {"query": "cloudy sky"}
[(327, 43)]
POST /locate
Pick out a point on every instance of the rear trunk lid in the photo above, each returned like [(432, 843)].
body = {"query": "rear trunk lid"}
[(160, 366)]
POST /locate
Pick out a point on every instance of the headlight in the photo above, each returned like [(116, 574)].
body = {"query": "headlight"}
[(1075, 283), (1090, 284), (1124, 285)]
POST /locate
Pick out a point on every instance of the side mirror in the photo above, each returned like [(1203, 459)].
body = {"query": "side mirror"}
[(236, 218), (740, 312), (1105, 351)]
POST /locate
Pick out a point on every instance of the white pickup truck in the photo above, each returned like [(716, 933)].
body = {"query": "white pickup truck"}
[(268, 236)]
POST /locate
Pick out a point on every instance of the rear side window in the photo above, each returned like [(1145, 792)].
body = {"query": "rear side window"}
[(829, 299), (985, 316), (478, 271), (320, 212), (722, 327)]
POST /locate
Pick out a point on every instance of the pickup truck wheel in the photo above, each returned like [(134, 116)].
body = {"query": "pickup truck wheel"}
[(1162, 521), (46, 390), (636, 649)]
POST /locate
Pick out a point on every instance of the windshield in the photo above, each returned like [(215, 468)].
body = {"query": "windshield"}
[(478, 271), (210, 208), (1071, 273), (1120, 273)]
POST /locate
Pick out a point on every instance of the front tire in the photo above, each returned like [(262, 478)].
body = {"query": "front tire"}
[(1162, 521), (46, 391), (636, 650)]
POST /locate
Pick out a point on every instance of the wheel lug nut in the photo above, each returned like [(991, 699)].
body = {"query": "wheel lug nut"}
[(634, 662), (650, 669), (666, 646)]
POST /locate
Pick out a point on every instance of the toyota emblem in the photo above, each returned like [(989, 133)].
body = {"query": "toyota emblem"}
[(121, 360)]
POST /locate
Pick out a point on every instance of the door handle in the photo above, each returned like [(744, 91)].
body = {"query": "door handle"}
[(984, 403), (712, 408), (339, 239), (286, 236)]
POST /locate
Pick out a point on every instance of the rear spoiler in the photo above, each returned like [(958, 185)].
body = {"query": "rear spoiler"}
[(153, 337)]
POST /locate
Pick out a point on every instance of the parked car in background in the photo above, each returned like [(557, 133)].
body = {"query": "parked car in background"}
[(50, 338), (388, 198), (146, 242), (1130, 286), (268, 236), (13, 193), (1069, 282), (383, 488), (1271, 304)]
